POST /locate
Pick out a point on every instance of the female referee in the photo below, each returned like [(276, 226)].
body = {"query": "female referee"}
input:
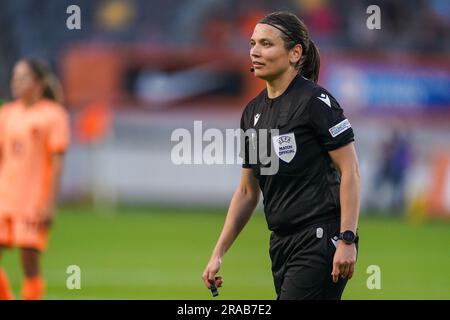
[(312, 203), (34, 134)]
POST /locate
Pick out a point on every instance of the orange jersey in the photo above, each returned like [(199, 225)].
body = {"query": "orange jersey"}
[(29, 136)]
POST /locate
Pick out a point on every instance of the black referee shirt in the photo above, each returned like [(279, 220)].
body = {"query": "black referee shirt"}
[(305, 190)]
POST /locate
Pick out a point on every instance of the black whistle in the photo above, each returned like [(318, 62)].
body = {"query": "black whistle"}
[(214, 291)]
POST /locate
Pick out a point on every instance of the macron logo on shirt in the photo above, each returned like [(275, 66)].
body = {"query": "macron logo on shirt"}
[(325, 98), (255, 121)]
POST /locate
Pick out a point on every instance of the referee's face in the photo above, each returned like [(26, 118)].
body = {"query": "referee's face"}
[(270, 58)]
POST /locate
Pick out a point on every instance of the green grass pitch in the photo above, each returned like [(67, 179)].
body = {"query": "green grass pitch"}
[(161, 254)]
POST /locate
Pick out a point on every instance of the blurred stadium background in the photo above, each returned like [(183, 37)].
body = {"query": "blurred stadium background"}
[(141, 227)]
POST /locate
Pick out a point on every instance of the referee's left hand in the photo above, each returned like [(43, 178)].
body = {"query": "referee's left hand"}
[(344, 261)]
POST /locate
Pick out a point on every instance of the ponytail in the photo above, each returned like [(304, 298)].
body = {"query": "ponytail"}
[(52, 89), (310, 66)]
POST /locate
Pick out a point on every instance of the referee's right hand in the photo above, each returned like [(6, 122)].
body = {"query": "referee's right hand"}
[(209, 275)]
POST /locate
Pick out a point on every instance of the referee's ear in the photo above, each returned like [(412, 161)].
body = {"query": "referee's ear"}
[(296, 54)]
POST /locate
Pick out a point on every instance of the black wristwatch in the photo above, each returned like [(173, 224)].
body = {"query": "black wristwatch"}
[(348, 237)]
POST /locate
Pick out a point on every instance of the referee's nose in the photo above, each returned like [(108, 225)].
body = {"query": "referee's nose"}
[(255, 51)]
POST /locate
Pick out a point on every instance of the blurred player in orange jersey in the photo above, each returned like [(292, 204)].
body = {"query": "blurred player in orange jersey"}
[(34, 134)]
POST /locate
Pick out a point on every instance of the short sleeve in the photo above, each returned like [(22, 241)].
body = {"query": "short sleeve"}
[(244, 142), (59, 131), (328, 122)]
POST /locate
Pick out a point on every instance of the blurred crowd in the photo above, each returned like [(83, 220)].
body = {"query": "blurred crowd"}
[(38, 28)]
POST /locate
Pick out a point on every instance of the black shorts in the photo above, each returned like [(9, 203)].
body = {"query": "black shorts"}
[(302, 263)]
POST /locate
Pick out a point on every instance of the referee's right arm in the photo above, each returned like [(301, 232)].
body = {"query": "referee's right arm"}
[(243, 203)]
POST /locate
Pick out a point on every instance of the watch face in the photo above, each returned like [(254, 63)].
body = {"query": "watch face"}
[(348, 236)]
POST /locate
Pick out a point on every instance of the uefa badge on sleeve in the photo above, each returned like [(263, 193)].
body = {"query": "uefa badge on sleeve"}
[(285, 146)]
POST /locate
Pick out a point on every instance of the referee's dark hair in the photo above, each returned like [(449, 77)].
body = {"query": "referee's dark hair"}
[(293, 32)]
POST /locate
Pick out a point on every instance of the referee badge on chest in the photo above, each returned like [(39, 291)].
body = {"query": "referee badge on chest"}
[(285, 146)]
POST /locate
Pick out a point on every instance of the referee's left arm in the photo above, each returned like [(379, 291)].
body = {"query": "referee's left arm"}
[(347, 163), (336, 135)]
